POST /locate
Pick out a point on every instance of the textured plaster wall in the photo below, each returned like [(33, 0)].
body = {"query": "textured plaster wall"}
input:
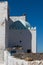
[(15, 18), (11, 60), (15, 36), (28, 37), (3, 16), (34, 50), (2, 37), (7, 36), (16, 61), (33, 44)]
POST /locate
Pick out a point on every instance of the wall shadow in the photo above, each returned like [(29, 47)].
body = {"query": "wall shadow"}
[(23, 37)]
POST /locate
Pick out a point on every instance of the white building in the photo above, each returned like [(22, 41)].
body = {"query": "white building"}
[(15, 30)]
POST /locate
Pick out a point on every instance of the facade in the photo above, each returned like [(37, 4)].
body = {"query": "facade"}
[(21, 33), (15, 30)]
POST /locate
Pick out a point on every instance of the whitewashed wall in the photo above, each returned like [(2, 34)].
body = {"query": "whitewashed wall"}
[(33, 43), (33, 48), (28, 38), (15, 18), (3, 16), (10, 60), (24, 35), (4, 31), (15, 61)]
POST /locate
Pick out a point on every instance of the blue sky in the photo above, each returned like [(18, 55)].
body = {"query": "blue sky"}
[(34, 12)]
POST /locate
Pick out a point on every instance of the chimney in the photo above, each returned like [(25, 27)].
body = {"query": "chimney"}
[(25, 16)]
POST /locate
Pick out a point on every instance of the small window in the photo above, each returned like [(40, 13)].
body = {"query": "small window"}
[(20, 41), (28, 51)]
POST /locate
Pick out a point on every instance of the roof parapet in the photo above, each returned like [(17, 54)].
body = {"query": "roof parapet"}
[(32, 28)]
